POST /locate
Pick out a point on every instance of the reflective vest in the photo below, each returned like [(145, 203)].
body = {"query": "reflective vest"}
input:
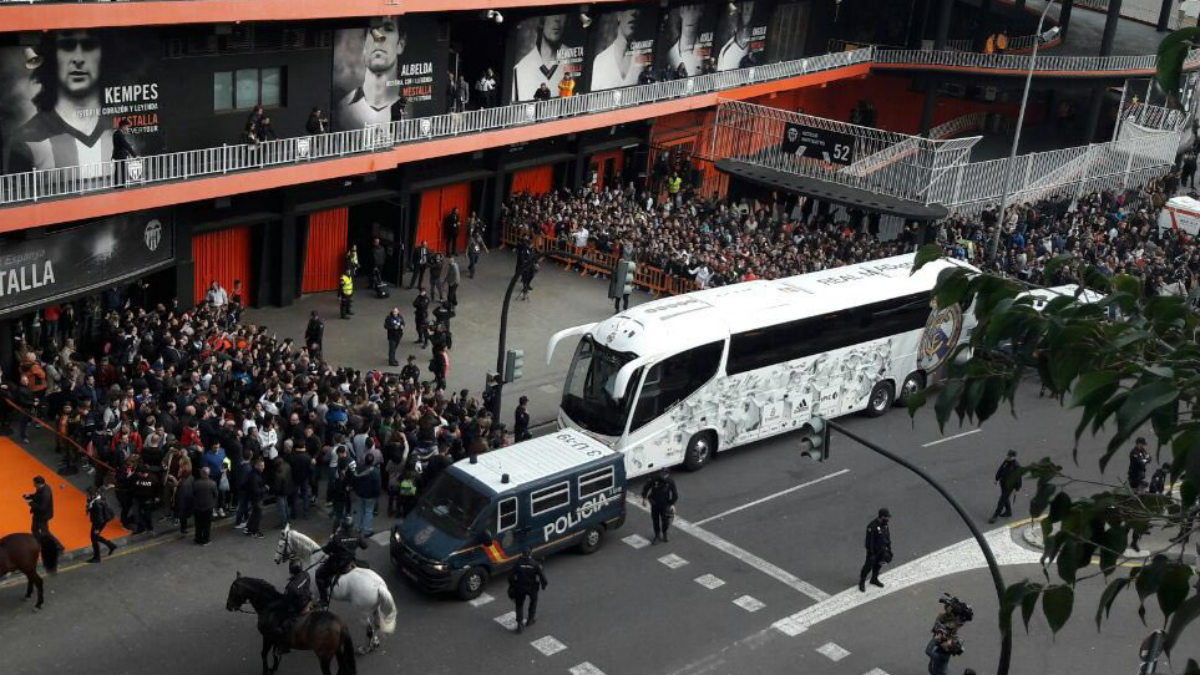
[(566, 88), (673, 184), (347, 286)]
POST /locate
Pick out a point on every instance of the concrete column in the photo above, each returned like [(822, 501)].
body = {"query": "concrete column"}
[(943, 24), (1064, 16), (939, 43), (290, 248), (7, 359), (1164, 15), (1111, 19)]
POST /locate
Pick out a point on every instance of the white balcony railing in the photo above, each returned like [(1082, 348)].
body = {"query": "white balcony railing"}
[(77, 180)]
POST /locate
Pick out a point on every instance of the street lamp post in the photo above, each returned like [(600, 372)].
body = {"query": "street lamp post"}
[(988, 556), (994, 244)]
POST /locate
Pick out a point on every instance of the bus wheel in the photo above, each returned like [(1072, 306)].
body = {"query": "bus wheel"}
[(591, 540), (880, 401), (699, 450), (472, 582), (914, 383)]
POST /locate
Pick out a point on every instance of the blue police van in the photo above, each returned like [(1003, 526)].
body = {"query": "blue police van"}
[(547, 494)]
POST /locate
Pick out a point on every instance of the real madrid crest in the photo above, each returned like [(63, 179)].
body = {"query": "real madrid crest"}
[(940, 336)]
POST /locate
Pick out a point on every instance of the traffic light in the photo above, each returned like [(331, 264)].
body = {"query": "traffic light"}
[(814, 439), (514, 365)]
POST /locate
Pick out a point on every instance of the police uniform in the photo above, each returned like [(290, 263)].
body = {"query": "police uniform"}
[(521, 421), (879, 549), (421, 317), (1004, 506), (298, 592), (394, 325), (346, 293), (340, 550), (526, 580), (662, 494)]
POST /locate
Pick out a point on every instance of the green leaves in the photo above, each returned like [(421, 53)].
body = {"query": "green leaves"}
[(1057, 603), (1104, 607), (1143, 401), (930, 252), (1171, 52)]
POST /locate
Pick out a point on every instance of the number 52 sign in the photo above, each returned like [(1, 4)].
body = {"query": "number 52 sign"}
[(832, 147)]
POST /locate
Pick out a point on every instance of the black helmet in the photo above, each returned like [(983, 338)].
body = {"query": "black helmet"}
[(347, 524), (294, 567)]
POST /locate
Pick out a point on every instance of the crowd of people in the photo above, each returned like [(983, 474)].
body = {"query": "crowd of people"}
[(190, 415), (710, 241)]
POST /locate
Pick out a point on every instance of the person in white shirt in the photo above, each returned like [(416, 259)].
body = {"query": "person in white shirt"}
[(581, 237), (688, 49), (486, 86), (268, 438), (615, 66), (541, 65), (216, 295), (738, 46)]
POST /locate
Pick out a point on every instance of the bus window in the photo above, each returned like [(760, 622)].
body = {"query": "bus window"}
[(675, 378), (586, 397)]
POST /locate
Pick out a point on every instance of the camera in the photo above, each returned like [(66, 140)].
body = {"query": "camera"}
[(957, 608)]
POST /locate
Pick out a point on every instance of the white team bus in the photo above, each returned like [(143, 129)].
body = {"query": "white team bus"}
[(675, 380)]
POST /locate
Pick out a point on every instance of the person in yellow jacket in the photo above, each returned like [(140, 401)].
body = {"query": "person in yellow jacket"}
[(989, 47), (1002, 41), (346, 293), (674, 183), (566, 87)]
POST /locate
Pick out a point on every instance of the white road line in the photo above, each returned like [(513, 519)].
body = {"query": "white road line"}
[(381, 538), (508, 620), (548, 645), (768, 498), (749, 603), (585, 668), (832, 651), (769, 569), (673, 561), (950, 438), (960, 557), (709, 581), (636, 541), (876, 671), (482, 600)]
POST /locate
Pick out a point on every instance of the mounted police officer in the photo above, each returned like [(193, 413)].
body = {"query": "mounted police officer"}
[(879, 549), (525, 582), (340, 550), (660, 489), (297, 598)]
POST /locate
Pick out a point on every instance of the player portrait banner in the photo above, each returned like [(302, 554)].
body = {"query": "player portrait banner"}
[(687, 37), (94, 255), (622, 47), (62, 98), (541, 49), (391, 69), (742, 34)]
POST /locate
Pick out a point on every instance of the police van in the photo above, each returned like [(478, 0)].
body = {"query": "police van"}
[(546, 494)]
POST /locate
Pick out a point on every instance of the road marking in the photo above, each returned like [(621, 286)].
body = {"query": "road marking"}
[(769, 569), (768, 498), (548, 645), (961, 557), (508, 620), (749, 603), (585, 668), (482, 600), (876, 671), (381, 538), (636, 541), (673, 561), (709, 581), (950, 438), (832, 651), (548, 388)]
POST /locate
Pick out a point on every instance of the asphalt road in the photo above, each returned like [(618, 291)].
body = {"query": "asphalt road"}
[(769, 536)]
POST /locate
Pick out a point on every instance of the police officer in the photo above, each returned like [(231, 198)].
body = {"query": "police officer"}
[(346, 293), (662, 494), (1139, 459), (298, 593), (393, 323), (441, 316), (525, 582), (879, 549), (421, 317), (340, 550), (314, 334), (521, 421), (411, 371), (1007, 468)]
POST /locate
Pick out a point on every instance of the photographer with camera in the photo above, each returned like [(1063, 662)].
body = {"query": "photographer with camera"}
[(945, 642)]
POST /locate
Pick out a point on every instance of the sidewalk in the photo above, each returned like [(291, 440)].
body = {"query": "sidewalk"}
[(1154, 541)]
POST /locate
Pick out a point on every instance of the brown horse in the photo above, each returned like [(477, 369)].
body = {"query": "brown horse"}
[(321, 632), (19, 552)]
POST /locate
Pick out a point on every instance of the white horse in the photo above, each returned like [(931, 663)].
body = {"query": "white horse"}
[(361, 587)]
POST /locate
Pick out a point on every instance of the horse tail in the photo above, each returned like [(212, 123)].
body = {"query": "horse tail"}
[(50, 555), (385, 610), (345, 655)]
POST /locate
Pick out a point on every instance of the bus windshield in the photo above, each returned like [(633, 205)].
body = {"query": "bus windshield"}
[(452, 505), (587, 399)]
